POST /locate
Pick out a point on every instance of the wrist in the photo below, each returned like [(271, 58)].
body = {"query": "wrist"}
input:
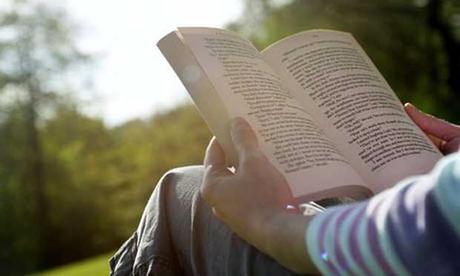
[(284, 240), (273, 227), (262, 227)]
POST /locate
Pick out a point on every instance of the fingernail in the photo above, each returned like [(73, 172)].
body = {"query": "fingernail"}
[(408, 105), (412, 107)]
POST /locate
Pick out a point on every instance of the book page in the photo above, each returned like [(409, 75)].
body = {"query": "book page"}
[(287, 133), (333, 77), (209, 104)]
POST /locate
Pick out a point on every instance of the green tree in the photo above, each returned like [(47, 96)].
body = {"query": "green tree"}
[(82, 185), (70, 187), (415, 44), (36, 51)]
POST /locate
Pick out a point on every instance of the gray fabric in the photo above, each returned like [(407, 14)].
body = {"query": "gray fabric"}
[(179, 235)]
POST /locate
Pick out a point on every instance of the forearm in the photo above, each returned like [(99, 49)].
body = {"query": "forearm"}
[(284, 240)]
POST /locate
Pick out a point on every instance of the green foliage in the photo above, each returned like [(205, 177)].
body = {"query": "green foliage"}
[(70, 187), (36, 51), (98, 180), (16, 207), (415, 44)]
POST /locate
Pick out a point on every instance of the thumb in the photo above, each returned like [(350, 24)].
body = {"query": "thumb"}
[(243, 137)]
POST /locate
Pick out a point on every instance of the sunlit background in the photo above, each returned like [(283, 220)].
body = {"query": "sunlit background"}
[(133, 80), (91, 114)]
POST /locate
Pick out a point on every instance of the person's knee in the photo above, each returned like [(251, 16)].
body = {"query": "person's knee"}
[(173, 195), (193, 173), (183, 178), (174, 185), (177, 186)]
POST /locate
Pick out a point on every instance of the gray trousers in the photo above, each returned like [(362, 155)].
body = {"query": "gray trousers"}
[(179, 235)]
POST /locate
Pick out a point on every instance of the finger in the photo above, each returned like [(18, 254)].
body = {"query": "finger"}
[(243, 137), (214, 183), (215, 155), (439, 143), (432, 125), (215, 172), (451, 146)]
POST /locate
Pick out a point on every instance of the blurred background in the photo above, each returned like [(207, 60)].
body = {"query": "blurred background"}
[(91, 114)]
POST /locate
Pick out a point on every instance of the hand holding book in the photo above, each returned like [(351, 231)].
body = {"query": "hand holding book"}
[(251, 199)]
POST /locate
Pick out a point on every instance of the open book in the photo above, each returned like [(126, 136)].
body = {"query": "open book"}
[(324, 115)]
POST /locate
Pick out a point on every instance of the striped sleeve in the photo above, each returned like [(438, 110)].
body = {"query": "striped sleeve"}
[(394, 232)]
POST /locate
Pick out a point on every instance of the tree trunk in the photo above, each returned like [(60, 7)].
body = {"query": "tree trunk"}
[(451, 48), (36, 168)]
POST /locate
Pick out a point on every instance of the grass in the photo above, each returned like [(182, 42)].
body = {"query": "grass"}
[(96, 266)]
